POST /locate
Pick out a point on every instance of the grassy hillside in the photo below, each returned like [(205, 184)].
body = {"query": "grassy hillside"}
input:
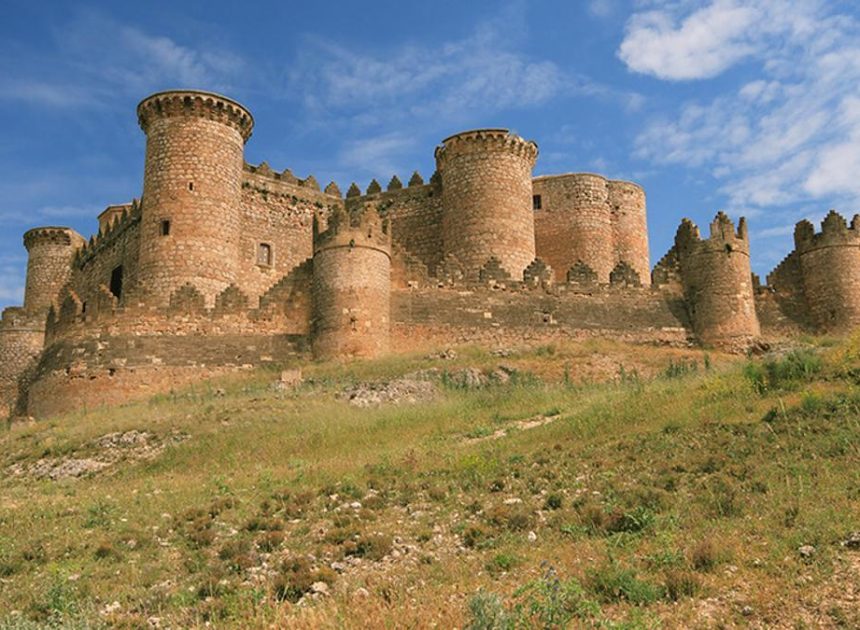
[(587, 484)]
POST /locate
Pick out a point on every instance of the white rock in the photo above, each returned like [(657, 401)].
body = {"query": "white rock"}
[(532, 537), (320, 588)]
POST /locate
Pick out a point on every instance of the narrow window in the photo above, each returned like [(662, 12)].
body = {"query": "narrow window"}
[(116, 282), (536, 203), (264, 254), (165, 227), (191, 186)]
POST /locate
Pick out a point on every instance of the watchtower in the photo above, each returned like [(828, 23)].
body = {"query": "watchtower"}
[(487, 199), (717, 281), (51, 250), (190, 214), (351, 285), (830, 268)]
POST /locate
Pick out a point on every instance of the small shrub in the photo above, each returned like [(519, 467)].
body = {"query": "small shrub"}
[(783, 373), (512, 517), (681, 584), (105, 550), (371, 546), (270, 541), (553, 501), (552, 603), (612, 583), (295, 578), (680, 369), (704, 556), (502, 562), (486, 612), (476, 535)]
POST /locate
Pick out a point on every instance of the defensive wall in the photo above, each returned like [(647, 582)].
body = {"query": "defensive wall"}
[(222, 265)]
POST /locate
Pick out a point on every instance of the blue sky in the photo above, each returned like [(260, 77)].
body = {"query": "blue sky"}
[(749, 107)]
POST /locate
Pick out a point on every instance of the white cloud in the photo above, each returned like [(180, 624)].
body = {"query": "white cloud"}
[(788, 136), (703, 44)]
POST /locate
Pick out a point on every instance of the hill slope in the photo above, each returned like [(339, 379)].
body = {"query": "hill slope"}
[(584, 485)]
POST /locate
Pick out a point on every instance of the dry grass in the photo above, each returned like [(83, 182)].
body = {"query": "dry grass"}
[(661, 494)]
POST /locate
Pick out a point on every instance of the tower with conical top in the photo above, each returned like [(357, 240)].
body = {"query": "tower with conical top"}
[(717, 281), (351, 284), (191, 207)]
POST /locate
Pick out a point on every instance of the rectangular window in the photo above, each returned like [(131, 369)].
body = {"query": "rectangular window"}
[(165, 227), (116, 282), (264, 254), (536, 203)]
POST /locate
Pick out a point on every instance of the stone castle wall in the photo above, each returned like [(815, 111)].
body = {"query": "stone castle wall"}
[(222, 265)]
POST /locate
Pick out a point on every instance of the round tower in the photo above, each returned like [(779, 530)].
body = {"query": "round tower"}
[(630, 227), (574, 224), (192, 182), (51, 251), (351, 286), (830, 267), (717, 281), (487, 199), (22, 337)]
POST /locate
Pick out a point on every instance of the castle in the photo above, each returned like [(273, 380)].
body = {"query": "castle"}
[(222, 265)]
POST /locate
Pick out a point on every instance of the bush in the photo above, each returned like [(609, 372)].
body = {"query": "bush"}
[(612, 583), (704, 556), (783, 373), (681, 584), (486, 612)]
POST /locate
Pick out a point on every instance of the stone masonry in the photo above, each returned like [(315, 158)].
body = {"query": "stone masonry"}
[(223, 265)]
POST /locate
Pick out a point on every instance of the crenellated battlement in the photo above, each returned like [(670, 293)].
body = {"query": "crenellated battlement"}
[(835, 232), (485, 141), (722, 237), (50, 235), (209, 105), (123, 219), (362, 227)]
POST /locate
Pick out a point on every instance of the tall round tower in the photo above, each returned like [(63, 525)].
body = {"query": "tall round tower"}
[(630, 227), (487, 199), (352, 286), (717, 283), (51, 250), (190, 214), (830, 267)]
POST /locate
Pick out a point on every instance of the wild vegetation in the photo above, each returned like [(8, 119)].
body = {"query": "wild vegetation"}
[(587, 484)]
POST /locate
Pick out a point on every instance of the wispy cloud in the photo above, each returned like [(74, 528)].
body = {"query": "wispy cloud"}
[(452, 81), (97, 59), (789, 136), (377, 155)]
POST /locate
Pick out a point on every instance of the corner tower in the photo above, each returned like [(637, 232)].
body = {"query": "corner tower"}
[(51, 251), (190, 214), (351, 285), (830, 268), (717, 281), (487, 199)]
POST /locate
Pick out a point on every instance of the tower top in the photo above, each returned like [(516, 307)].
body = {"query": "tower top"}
[(195, 103), (480, 140)]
